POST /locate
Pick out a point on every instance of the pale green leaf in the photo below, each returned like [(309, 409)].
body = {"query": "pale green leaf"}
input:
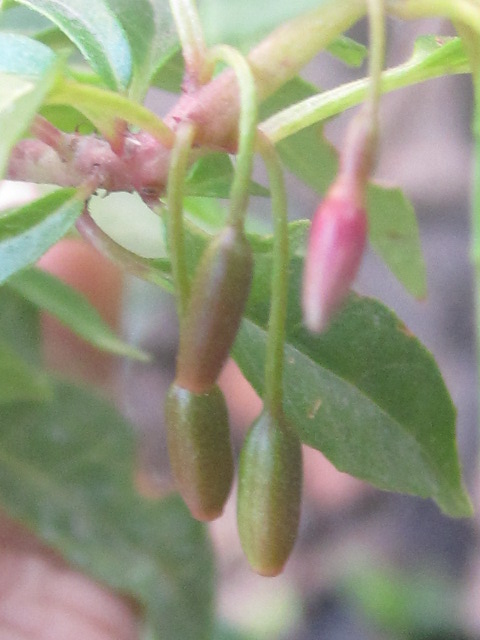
[(26, 233), (149, 27), (27, 71), (72, 309), (96, 32)]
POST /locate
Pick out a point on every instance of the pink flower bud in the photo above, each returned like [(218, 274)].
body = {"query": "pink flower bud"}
[(335, 248)]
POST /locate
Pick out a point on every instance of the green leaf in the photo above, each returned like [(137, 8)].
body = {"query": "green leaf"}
[(393, 232), (393, 228), (18, 19), (27, 72), (371, 397), (23, 56), (73, 309), (66, 471), (151, 34), (348, 51), (95, 31), (19, 380), (212, 175), (26, 233)]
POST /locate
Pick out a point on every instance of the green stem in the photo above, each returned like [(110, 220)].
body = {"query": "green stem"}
[(175, 185), (330, 103), (376, 16), (247, 126), (191, 37), (279, 294)]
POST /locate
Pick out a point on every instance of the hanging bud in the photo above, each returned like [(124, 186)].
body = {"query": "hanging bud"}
[(199, 448), (335, 248), (269, 494), (219, 293)]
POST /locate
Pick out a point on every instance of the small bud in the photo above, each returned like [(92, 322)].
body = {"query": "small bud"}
[(335, 248), (199, 448), (269, 494), (219, 293)]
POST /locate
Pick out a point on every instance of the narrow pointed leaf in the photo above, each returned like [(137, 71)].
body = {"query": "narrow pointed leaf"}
[(26, 233), (93, 28), (66, 470), (71, 308), (393, 232)]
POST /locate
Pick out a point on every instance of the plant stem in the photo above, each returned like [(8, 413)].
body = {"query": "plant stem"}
[(358, 154), (325, 105), (376, 16), (247, 125), (278, 310), (176, 179), (190, 32)]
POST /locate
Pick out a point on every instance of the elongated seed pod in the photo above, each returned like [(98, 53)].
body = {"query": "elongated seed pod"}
[(199, 448), (269, 494), (219, 293)]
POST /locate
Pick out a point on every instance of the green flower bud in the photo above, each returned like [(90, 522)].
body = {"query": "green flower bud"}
[(269, 494), (199, 447), (219, 293)]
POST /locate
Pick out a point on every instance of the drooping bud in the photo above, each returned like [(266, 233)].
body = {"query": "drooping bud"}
[(219, 293), (199, 448), (269, 494), (335, 248)]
